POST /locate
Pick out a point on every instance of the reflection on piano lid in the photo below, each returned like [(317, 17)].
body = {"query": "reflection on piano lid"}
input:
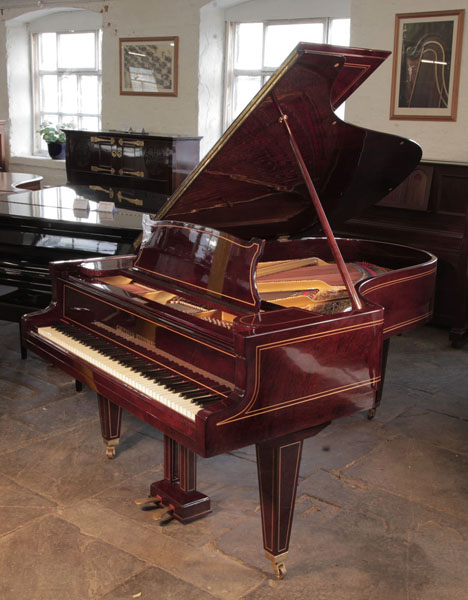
[(56, 204), (212, 304), (37, 227)]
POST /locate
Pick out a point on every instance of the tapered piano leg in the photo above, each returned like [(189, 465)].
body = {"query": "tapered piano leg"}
[(177, 491), (278, 463), (385, 347), (110, 416)]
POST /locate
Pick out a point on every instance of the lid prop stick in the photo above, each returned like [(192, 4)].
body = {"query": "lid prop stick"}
[(355, 301)]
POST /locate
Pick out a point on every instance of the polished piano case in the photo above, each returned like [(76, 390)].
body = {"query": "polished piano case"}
[(241, 319)]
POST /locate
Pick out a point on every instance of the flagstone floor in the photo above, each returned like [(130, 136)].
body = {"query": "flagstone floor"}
[(381, 512)]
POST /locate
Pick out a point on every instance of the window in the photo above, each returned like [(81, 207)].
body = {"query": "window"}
[(67, 83), (258, 49)]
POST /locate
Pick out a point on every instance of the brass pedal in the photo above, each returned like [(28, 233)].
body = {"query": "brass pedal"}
[(148, 500), (165, 515)]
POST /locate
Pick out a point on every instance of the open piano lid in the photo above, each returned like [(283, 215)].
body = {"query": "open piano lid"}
[(250, 183)]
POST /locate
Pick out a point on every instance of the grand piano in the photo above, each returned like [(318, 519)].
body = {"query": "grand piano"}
[(241, 319)]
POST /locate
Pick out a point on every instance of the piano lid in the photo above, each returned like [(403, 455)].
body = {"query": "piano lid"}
[(250, 183)]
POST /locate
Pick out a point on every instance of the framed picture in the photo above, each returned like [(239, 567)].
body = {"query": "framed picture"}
[(426, 65), (148, 66)]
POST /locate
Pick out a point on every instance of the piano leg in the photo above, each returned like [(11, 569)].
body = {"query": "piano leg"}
[(110, 416), (278, 464), (378, 397), (177, 490)]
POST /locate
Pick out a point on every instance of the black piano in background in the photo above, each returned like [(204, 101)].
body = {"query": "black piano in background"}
[(135, 171), (38, 227), (242, 319)]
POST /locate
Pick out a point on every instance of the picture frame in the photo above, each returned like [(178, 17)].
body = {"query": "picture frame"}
[(149, 66), (426, 65)]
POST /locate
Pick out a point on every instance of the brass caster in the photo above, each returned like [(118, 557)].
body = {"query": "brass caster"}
[(110, 447), (279, 565), (110, 451), (280, 570), (371, 413), (143, 502), (164, 516)]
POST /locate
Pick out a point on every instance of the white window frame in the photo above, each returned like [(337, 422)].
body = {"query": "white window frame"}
[(264, 72), (37, 73)]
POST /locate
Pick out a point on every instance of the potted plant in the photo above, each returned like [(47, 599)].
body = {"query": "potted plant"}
[(54, 137)]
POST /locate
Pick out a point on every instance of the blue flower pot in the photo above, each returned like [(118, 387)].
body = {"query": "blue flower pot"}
[(56, 150)]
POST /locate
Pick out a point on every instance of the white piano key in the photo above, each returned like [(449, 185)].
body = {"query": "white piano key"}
[(125, 374)]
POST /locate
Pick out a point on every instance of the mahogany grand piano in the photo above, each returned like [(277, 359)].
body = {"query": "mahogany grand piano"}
[(241, 319)]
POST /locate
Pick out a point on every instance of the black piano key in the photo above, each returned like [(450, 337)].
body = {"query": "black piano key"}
[(208, 401), (183, 387), (153, 372), (194, 394)]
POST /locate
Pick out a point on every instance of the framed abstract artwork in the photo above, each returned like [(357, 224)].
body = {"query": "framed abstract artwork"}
[(148, 66), (426, 65)]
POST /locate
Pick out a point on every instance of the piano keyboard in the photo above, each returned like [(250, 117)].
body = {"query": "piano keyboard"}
[(157, 382)]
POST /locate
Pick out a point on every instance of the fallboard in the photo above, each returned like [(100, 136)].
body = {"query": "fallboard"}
[(179, 351)]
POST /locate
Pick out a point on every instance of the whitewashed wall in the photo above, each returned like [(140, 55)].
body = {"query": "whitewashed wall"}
[(259, 10), (372, 26)]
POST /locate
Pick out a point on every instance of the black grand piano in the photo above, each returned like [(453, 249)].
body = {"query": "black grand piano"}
[(241, 319)]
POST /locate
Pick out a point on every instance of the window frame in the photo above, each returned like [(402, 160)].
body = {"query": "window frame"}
[(39, 115), (232, 72)]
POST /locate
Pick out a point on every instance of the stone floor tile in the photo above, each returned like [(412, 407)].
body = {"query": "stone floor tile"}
[(434, 428), (156, 583), (21, 391), (204, 567), (427, 474), (64, 413), (341, 444), (19, 506), (398, 514), (50, 559), (72, 465), (14, 434), (36, 366)]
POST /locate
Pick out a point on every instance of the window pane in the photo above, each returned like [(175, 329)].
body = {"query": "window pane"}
[(244, 90), (91, 123), (281, 39), (77, 51), (47, 50), (248, 51), (339, 32), (69, 93), (89, 94), (49, 92)]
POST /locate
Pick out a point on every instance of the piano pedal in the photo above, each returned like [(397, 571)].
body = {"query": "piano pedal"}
[(110, 447), (165, 515), (144, 502)]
